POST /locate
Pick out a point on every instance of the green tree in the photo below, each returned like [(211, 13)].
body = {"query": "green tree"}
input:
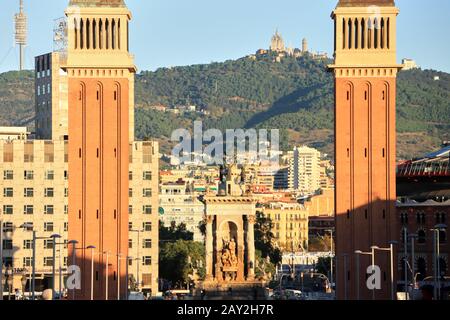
[(179, 260), (174, 232)]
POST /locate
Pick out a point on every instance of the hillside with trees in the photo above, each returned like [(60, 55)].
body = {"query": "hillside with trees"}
[(294, 95)]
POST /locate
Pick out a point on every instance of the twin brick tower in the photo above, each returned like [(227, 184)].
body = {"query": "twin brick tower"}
[(101, 73), (365, 71)]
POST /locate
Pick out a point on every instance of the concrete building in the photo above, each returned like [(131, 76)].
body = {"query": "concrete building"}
[(290, 224), (34, 189), (179, 204), (51, 104), (409, 64), (365, 70), (13, 133), (304, 170)]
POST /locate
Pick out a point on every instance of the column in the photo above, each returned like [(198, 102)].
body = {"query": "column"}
[(209, 247), (251, 248)]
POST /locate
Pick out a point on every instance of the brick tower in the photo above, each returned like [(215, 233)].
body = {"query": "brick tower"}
[(100, 73), (365, 72)]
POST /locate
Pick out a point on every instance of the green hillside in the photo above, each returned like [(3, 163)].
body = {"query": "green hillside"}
[(295, 95)]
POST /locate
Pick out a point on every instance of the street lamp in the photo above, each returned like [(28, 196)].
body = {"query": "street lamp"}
[(10, 281), (358, 253), (437, 259), (331, 255), (107, 253), (413, 238), (92, 248), (54, 237), (74, 257), (391, 251), (405, 239), (138, 258), (23, 281)]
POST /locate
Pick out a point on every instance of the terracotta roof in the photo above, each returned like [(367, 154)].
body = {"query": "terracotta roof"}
[(97, 3), (365, 3)]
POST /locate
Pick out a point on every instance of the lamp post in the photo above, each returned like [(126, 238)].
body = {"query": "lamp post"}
[(74, 257), (92, 248), (391, 251), (33, 265), (23, 281), (413, 238), (405, 239), (358, 253), (437, 259), (331, 257), (138, 258), (106, 273), (54, 237)]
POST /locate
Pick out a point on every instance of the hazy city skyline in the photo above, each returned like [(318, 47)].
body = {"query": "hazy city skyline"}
[(169, 33)]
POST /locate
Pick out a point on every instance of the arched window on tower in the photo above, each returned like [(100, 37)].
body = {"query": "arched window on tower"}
[(356, 34), (363, 33), (100, 34), (388, 33), (344, 34), (350, 33), (88, 34), (81, 34), (383, 33), (107, 34), (94, 34), (369, 34), (75, 28), (376, 34), (118, 34), (113, 34)]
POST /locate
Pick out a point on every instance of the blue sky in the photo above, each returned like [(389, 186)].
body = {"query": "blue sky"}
[(183, 32)]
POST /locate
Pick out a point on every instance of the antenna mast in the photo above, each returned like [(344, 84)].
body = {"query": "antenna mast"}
[(21, 20)]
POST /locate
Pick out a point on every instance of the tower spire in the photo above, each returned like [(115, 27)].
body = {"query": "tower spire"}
[(20, 20)]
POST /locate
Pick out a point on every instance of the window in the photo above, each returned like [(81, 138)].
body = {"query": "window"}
[(48, 209), (48, 226), (130, 226), (8, 227), (48, 244), (28, 175), (66, 175), (49, 175), (147, 226), (147, 244), (48, 261), (48, 192), (147, 209), (8, 192), (66, 209), (147, 175), (8, 175), (66, 226), (147, 261), (130, 175), (28, 209), (27, 261), (130, 209), (49, 153), (29, 226), (8, 152), (28, 192), (147, 193), (28, 244), (66, 192), (130, 192), (8, 209), (7, 244), (442, 236), (28, 155), (130, 244), (421, 237)]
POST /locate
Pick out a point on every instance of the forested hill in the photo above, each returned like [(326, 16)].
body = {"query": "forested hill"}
[(295, 95)]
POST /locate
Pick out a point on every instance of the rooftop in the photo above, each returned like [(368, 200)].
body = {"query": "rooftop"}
[(365, 3), (97, 3)]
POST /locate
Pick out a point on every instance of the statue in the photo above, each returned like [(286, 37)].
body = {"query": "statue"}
[(229, 260)]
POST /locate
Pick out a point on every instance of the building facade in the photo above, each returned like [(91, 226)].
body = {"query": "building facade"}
[(365, 71), (34, 191), (304, 170)]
